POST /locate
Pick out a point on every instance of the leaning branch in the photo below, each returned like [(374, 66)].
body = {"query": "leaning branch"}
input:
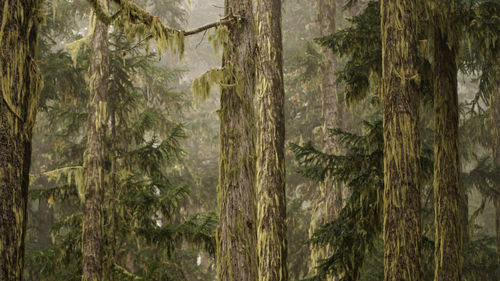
[(139, 15), (227, 20), (149, 26)]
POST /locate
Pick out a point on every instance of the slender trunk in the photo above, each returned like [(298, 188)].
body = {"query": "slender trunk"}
[(271, 203), (464, 218), (236, 234), (402, 218), (495, 130), (93, 210), (20, 84), (447, 194), (330, 195)]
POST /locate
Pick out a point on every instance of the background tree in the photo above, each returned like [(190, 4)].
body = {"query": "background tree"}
[(330, 198), (93, 204)]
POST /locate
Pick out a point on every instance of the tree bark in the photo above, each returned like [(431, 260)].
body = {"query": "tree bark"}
[(495, 130), (447, 193), (20, 85), (402, 218), (93, 209), (271, 203), (236, 234)]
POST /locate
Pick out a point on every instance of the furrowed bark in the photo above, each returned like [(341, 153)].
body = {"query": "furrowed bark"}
[(236, 234), (93, 209), (447, 192), (20, 85), (271, 206), (402, 219)]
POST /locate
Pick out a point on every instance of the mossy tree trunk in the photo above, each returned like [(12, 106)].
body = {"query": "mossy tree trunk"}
[(20, 84), (329, 202), (93, 209), (402, 219), (495, 130), (271, 206), (236, 234), (447, 193)]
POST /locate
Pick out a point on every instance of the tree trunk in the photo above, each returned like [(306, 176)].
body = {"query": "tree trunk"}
[(495, 130), (402, 218), (271, 203), (20, 85), (93, 210), (236, 234), (329, 202), (447, 195)]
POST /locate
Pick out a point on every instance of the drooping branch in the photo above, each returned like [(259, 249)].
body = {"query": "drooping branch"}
[(140, 23), (223, 21)]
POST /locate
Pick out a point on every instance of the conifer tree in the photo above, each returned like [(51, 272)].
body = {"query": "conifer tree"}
[(93, 209), (20, 84), (271, 206), (236, 234), (447, 193), (329, 202), (400, 101)]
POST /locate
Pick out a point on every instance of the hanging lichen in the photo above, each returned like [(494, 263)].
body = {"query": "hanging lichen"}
[(140, 24), (219, 38), (202, 86), (82, 43), (227, 77), (72, 175), (20, 85)]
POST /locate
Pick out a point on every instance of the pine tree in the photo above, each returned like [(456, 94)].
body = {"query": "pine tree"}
[(447, 192), (236, 234), (20, 84), (271, 201), (93, 210), (400, 100)]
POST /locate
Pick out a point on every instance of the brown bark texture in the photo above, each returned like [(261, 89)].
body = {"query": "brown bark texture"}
[(236, 234), (271, 206), (20, 84), (402, 219), (93, 207), (447, 193)]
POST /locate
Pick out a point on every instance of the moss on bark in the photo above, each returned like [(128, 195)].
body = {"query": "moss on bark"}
[(93, 205), (20, 84), (447, 191), (271, 206), (402, 219), (236, 235)]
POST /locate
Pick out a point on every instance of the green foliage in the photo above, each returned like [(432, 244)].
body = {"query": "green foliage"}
[(361, 42), (360, 221), (144, 225)]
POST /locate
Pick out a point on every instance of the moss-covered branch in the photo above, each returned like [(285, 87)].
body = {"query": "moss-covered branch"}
[(140, 23)]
